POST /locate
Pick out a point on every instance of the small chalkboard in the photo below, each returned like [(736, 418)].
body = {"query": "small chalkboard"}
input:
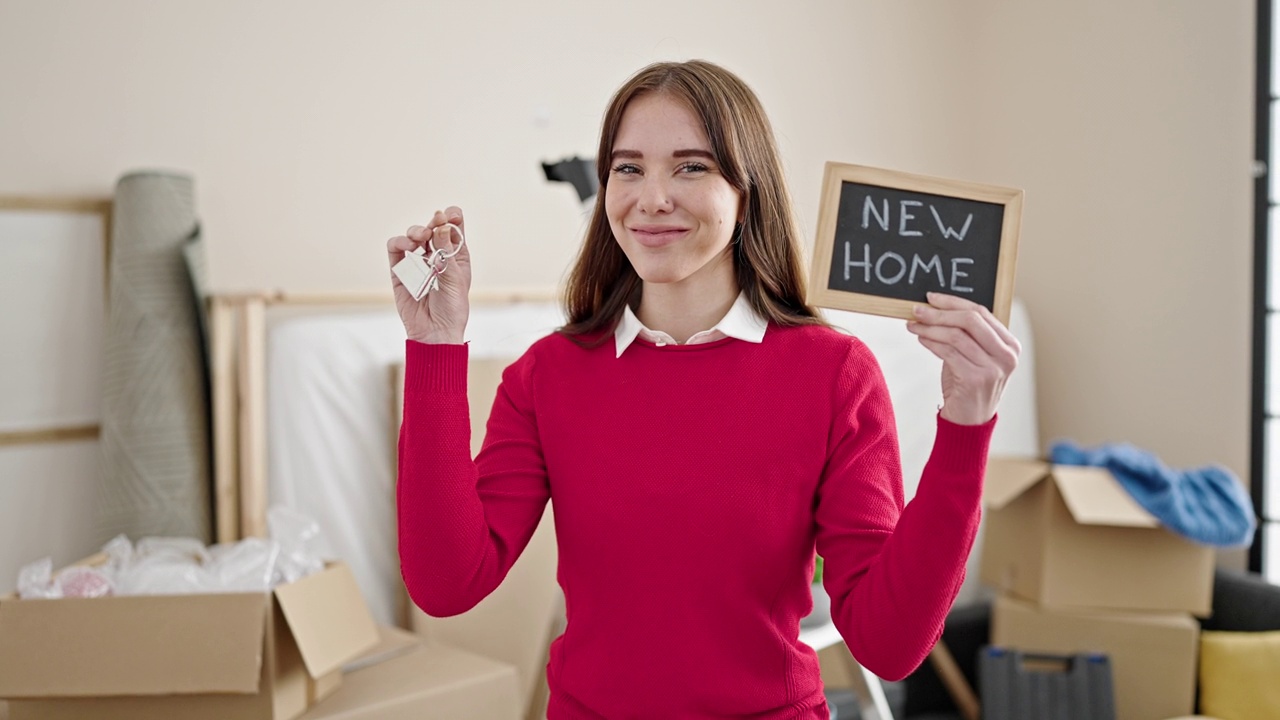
[(885, 238)]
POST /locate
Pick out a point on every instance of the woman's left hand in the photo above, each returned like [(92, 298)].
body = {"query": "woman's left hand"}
[(978, 355)]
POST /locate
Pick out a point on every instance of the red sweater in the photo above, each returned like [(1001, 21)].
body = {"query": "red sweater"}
[(690, 485)]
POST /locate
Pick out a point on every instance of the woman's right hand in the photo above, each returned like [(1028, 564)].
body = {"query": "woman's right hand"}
[(441, 315)]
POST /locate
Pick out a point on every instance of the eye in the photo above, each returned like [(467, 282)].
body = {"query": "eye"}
[(693, 167), (626, 169)]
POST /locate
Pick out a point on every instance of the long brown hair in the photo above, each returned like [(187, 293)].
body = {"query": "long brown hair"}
[(766, 249)]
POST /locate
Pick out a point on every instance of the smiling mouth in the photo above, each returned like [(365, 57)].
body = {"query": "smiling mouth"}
[(658, 237)]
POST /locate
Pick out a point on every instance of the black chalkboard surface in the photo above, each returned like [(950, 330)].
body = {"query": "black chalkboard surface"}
[(885, 238)]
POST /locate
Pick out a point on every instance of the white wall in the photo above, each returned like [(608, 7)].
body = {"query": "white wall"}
[(317, 129)]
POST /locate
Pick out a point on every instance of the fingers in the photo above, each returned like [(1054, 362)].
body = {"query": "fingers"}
[(453, 214), (949, 354), (978, 355), (445, 230), (970, 327), (398, 246), (446, 237), (953, 302), (956, 339), (422, 234)]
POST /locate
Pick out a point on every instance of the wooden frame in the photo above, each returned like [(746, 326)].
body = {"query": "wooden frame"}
[(834, 177), (74, 205), (237, 369)]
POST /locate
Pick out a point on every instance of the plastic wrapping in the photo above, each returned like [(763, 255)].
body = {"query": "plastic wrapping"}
[(298, 536), (83, 582), (35, 580), (175, 566), (119, 552), (166, 566), (246, 566), (176, 549), (164, 575)]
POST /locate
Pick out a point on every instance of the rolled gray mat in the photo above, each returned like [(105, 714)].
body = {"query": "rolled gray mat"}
[(155, 410)]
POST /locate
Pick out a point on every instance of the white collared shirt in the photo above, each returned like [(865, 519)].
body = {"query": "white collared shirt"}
[(741, 322)]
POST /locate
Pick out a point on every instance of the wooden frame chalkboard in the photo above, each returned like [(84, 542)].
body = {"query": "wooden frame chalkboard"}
[(885, 238)]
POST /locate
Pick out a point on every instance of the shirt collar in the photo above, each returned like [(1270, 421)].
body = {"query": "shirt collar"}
[(741, 322)]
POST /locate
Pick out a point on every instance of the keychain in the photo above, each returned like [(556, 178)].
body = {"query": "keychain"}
[(420, 274)]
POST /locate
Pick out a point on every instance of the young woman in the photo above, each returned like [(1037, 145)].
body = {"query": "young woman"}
[(700, 431)]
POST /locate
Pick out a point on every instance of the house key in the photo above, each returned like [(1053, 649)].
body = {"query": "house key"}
[(420, 274)]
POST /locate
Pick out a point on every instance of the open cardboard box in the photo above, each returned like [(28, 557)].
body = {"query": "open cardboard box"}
[(249, 656), (1072, 537)]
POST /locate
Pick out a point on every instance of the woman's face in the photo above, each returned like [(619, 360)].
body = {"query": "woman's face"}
[(670, 209)]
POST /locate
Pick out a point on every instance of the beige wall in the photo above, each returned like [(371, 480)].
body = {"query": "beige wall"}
[(1130, 126), (317, 129)]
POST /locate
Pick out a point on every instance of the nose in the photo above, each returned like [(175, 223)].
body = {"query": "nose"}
[(655, 196)]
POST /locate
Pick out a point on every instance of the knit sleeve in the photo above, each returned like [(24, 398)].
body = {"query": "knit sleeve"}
[(463, 523), (893, 573)]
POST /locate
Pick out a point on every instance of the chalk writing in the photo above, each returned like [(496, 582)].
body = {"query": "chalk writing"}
[(901, 244), (900, 263)]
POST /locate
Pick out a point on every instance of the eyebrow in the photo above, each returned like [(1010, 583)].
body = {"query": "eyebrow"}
[(637, 155)]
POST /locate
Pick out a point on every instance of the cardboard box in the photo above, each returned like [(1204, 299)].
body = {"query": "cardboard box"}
[(427, 681), (249, 656), (1073, 538), (1153, 655)]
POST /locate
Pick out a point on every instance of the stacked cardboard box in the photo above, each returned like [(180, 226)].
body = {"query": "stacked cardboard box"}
[(1081, 567)]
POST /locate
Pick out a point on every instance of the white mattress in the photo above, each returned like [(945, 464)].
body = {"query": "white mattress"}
[(329, 418), (330, 442)]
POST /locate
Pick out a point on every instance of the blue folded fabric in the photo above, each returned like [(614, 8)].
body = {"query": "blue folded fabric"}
[(1208, 505)]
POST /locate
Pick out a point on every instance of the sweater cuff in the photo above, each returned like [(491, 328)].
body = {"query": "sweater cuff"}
[(435, 367), (962, 449)]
